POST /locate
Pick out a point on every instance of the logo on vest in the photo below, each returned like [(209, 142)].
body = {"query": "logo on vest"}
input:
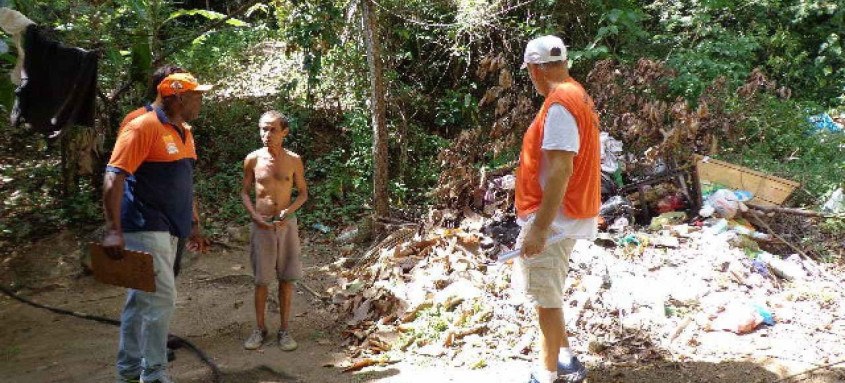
[(170, 144)]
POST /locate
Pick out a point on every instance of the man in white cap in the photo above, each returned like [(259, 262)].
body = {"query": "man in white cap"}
[(557, 195)]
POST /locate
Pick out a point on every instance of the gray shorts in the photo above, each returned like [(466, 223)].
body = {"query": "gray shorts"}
[(275, 252)]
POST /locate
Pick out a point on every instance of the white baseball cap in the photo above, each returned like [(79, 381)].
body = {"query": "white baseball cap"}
[(543, 50)]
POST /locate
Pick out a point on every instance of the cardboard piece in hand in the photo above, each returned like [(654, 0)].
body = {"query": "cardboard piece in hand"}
[(135, 270)]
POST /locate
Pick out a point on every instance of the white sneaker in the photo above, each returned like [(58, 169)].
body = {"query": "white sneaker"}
[(255, 340), (286, 342)]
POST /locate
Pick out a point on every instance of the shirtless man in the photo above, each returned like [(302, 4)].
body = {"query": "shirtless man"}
[(274, 241)]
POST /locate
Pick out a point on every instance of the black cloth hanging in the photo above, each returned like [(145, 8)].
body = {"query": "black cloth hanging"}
[(58, 86)]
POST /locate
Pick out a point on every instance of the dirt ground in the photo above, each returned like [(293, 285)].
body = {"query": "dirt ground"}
[(215, 312)]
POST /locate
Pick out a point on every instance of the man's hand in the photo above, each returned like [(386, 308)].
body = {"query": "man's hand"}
[(283, 219), (534, 242), (196, 242), (113, 244), (261, 223)]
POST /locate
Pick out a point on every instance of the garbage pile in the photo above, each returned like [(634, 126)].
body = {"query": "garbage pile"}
[(682, 287), (679, 271)]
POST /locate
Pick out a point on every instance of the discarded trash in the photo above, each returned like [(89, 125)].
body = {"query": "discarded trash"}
[(718, 226), (666, 241), (671, 202), (760, 267), (836, 203), (707, 211), (823, 122), (768, 189), (724, 204), (610, 149), (782, 268), (609, 187), (507, 182), (745, 230), (614, 207), (742, 318), (321, 228), (743, 195), (504, 231), (498, 194), (634, 244), (619, 224), (347, 235), (669, 218)]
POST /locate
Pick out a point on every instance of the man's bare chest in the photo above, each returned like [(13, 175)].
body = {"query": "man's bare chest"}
[(271, 171)]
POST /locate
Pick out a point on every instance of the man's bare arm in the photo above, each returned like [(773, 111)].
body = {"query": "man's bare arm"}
[(301, 188), (196, 241), (112, 198), (247, 184), (560, 168)]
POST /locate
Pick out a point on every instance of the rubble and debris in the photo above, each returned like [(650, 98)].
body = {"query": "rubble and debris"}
[(742, 318), (836, 203), (636, 294), (611, 150), (722, 203), (440, 293), (321, 228)]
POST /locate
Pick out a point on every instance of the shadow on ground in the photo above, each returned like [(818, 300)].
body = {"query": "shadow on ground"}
[(261, 373), (266, 374), (674, 372)]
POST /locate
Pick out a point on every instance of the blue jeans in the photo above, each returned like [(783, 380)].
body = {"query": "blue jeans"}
[(145, 320)]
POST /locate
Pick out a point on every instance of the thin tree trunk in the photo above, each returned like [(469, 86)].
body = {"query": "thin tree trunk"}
[(377, 103), (403, 147)]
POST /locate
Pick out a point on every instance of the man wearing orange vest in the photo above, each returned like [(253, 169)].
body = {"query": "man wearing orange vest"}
[(147, 198), (557, 195), (196, 242)]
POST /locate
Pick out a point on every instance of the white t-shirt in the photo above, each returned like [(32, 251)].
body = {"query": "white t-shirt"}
[(560, 132)]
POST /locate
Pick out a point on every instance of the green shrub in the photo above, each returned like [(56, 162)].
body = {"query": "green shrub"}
[(778, 139)]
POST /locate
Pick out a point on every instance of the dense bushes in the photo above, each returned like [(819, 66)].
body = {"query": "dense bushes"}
[(307, 60)]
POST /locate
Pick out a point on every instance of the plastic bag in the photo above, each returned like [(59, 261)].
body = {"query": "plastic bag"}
[(723, 203)]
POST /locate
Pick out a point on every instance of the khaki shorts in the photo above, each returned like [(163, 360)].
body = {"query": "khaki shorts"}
[(542, 276), (275, 252)]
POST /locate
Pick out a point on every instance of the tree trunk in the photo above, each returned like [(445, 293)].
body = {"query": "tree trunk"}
[(403, 147), (377, 103)]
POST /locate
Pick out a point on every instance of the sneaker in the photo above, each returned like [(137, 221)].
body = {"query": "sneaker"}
[(286, 342), (162, 379), (174, 342), (255, 340), (134, 379), (572, 372)]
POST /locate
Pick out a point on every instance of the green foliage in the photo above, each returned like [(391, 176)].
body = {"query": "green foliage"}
[(457, 108), (431, 52), (312, 27), (210, 15), (777, 138), (796, 42), (620, 30), (342, 179)]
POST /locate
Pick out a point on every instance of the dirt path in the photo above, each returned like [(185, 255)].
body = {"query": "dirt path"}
[(214, 311)]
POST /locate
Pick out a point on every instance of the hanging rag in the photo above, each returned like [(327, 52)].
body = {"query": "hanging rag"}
[(14, 23), (58, 87)]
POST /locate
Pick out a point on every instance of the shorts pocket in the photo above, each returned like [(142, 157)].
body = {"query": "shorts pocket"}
[(541, 275)]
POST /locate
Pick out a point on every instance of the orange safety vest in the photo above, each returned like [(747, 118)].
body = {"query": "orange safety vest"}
[(583, 193)]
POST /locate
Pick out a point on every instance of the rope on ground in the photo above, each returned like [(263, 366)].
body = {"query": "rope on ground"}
[(217, 377)]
